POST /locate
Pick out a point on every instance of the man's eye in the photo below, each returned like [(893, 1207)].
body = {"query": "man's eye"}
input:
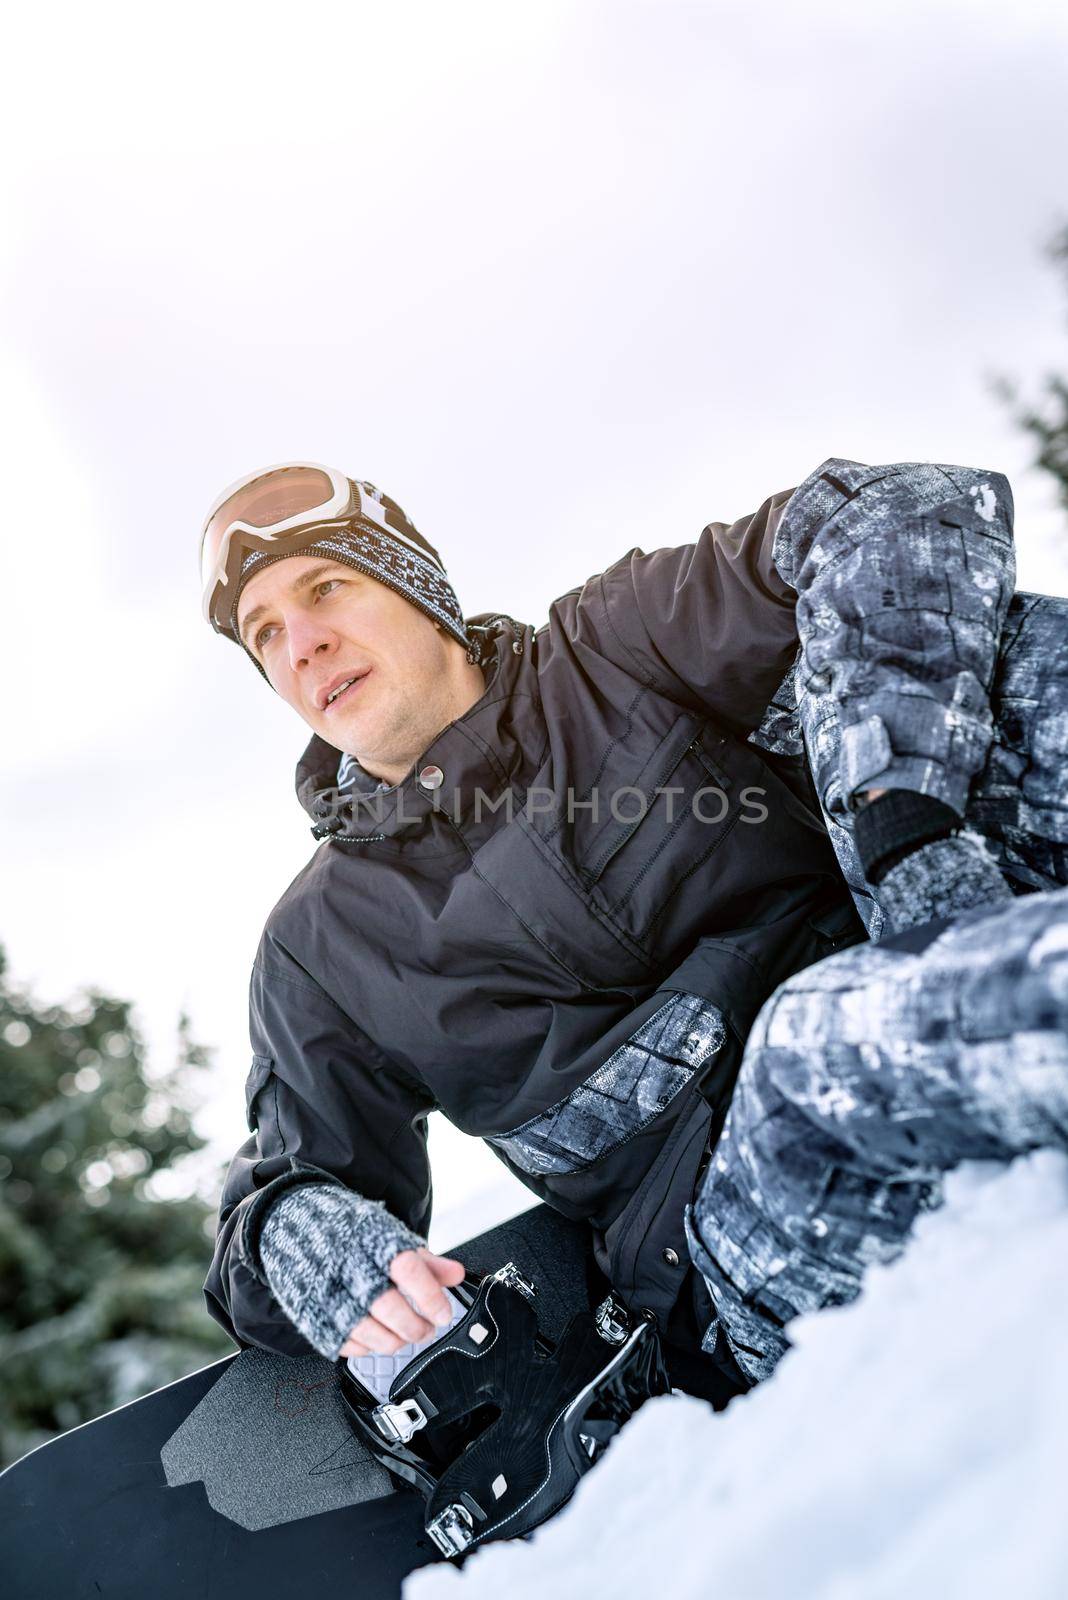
[(264, 635)]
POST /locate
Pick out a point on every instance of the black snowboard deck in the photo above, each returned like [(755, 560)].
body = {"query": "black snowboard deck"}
[(244, 1480)]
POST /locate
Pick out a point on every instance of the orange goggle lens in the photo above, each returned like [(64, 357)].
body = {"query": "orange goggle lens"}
[(273, 502)]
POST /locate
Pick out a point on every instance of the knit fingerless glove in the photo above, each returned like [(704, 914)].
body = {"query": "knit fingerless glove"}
[(326, 1254), (942, 879), (922, 864)]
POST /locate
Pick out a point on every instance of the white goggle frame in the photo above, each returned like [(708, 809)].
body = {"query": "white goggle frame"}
[(214, 573)]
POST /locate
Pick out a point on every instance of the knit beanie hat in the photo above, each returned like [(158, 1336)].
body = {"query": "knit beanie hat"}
[(366, 542)]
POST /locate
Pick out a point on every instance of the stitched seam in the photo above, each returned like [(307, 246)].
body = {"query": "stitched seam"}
[(612, 745), (420, 1363), (678, 823), (688, 874), (609, 1150), (488, 754), (644, 675), (690, 1073), (661, 847), (591, 987), (277, 1119), (308, 988), (630, 944), (396, 845), (629, 829)]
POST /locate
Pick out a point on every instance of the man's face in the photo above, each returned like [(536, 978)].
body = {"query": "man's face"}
[(313, 623)]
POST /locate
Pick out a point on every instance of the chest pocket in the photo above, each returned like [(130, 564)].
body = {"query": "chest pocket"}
[(596, 876), (658, 824)]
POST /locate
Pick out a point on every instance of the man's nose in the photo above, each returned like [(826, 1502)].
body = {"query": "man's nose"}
[(308, 637)]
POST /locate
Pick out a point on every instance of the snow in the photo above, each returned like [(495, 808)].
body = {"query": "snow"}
[(914, 1443), (986, 501)]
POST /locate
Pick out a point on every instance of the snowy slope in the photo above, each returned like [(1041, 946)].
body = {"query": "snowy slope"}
[(912, 1445)]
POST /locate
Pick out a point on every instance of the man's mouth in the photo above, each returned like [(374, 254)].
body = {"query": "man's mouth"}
[(344, 691)]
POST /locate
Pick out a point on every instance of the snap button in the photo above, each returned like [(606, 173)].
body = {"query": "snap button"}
[(431, 778), (671, 1257)]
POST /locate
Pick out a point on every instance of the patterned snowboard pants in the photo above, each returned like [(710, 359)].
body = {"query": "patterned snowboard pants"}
[(870, 1075)]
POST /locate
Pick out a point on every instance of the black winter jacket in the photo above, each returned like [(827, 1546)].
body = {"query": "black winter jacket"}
[(512, 945)]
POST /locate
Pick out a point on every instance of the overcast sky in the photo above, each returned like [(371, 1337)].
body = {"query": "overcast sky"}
[(561, 278)]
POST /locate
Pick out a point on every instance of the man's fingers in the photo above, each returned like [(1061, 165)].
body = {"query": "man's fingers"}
[(444, 1268), (394, 1313), (376, 1336), (391, 1321), (415, 1273), (377, 1332)]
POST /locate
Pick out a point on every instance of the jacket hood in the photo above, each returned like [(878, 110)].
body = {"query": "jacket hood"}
[(357, 807)]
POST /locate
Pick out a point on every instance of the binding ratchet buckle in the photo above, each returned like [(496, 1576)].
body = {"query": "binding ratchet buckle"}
[(611, 1321), (452, 1530), (398, 1422), (511, 1276)]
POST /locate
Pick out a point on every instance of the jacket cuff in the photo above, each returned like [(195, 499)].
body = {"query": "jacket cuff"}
[(942, 879), (257, 1207), (889, 828), (919, 745)]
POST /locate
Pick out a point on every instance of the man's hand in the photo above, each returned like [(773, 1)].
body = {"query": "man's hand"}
[(392, 1321)]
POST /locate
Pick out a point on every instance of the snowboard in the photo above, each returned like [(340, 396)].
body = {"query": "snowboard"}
[(246, 1478)]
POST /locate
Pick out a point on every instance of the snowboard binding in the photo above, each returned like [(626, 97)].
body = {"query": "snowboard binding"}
[(493, 1422)]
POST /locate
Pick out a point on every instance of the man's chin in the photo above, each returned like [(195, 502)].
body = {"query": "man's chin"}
[(357, 745), (341, 731)]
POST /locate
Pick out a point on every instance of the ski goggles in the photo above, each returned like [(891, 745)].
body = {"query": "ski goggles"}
[(277, 510)]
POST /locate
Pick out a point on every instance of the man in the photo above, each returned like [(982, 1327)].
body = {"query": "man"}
[(562, 871)]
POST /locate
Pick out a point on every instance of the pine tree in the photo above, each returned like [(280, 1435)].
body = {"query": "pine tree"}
[(104, 1238), (1047, 419)]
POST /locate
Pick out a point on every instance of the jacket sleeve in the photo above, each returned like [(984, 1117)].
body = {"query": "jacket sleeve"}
[(324, 1106), (710, 623)]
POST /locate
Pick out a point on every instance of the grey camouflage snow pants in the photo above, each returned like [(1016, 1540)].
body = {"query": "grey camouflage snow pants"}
[(870, 1075)]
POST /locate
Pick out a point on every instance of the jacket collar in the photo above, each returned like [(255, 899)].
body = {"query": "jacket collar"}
[(474, 754)]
